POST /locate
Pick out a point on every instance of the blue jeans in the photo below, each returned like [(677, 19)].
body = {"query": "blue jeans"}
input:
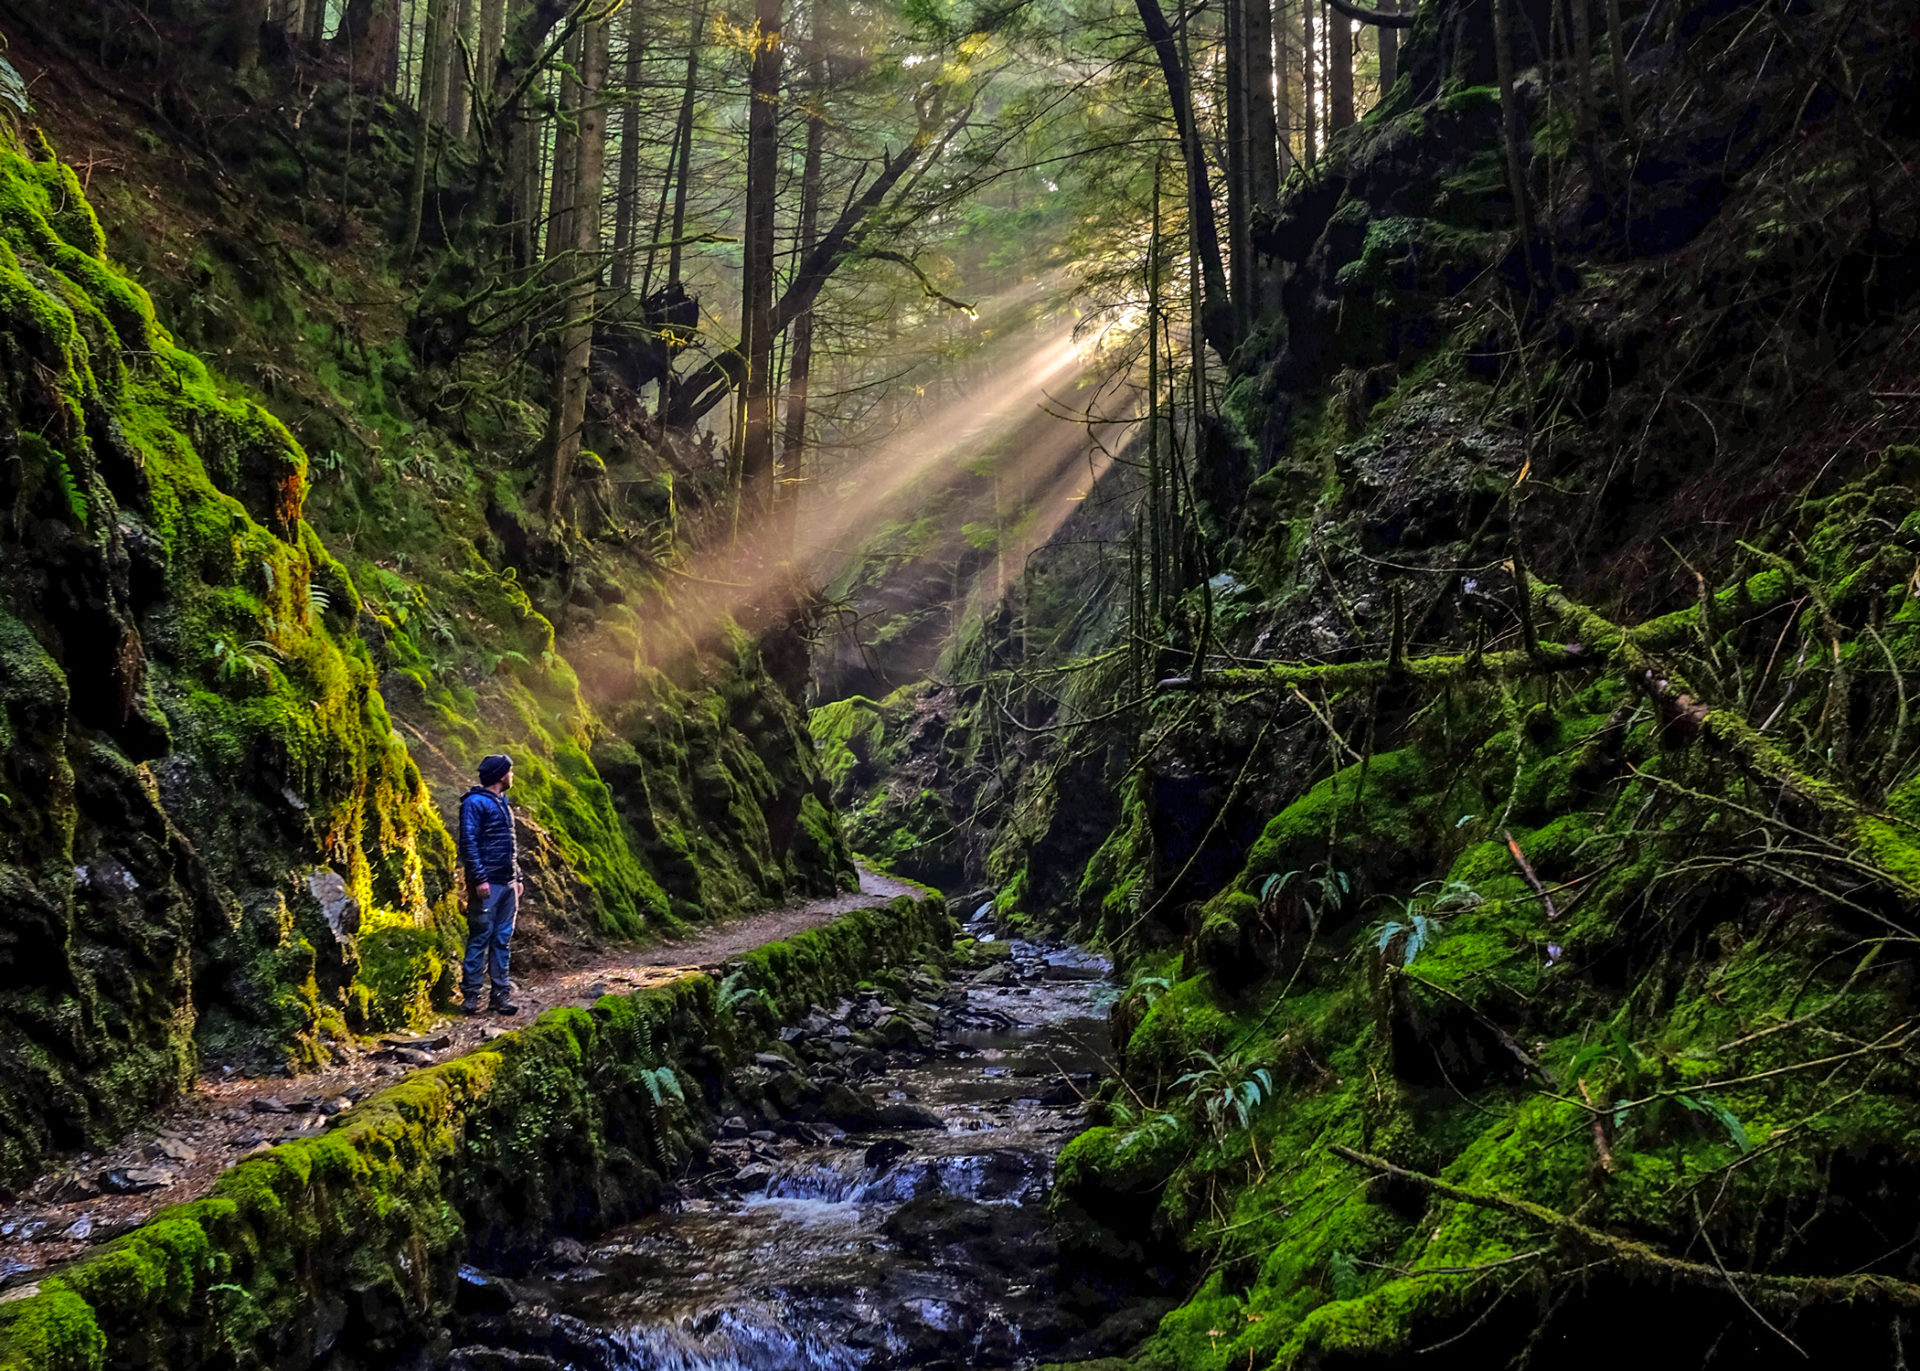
[(489, 930)]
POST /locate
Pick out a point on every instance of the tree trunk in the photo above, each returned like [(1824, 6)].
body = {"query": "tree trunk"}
[(1263, 138), (1389, 39), (243, 37), (589, 185), (756, 321), (800, 366), (369, 30), (563, 178), (1309, 103), (431, 46), (1617, 59), (626, 192), (1513, 131), (1339, 73), (313, 21), (1239, 177), (1217, 322), (459, 77), (486, 52), (1283, 87), (683, 134)]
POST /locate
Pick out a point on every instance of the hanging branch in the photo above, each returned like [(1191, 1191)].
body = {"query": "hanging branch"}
[(1378, 18)]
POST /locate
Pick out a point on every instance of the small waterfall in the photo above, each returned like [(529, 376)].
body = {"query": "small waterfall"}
[(925, 1243), (738, 1337)]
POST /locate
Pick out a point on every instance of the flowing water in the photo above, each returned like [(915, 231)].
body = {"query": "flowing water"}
[(888, 1247)]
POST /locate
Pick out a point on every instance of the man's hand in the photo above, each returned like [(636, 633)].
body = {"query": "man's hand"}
[(519, 889), (485, 888)]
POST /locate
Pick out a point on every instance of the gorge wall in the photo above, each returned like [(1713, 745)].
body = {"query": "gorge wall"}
[(229, 735)]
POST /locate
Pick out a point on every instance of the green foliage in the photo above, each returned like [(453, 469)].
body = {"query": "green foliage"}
[(1225, 1091), (13, 90), (1421, 919)]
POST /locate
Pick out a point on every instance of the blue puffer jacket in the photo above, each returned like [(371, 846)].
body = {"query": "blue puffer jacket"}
[(486, 837)]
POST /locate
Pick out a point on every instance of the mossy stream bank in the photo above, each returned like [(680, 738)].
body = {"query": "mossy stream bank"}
[(344, 1249)]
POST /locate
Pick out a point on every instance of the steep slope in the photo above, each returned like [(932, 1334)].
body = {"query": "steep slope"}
[(1516, 843), (214, 833), (1520, 926)]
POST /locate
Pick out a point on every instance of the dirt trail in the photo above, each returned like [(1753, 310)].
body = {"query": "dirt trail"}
[(226, 1116)]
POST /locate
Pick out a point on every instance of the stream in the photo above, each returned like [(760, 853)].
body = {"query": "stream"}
[(915, 1238)]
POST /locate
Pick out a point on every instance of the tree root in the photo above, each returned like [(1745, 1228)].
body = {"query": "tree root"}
[(1785, 1292)]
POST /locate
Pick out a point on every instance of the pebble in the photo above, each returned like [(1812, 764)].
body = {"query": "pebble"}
[(267, 1104), (339, 1104), (135, 1180), (165, 1148), (80, 1229)]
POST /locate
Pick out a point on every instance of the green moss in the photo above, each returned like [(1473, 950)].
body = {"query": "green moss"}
[(552, 1127)]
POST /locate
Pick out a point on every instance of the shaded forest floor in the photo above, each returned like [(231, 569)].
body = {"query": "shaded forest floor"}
[(231, 1115)]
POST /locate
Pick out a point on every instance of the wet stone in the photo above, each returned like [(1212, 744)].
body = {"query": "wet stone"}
[(135, 1180), (268, 1104)]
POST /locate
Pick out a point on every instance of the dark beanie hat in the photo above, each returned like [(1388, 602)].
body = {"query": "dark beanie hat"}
[(492, 768)]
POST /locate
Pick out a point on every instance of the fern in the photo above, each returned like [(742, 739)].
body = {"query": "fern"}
[(76, 498), (1226, 1091), (318, 601), (1408, 937), (13, 89), (736, 995), (1719, 1113), (663, 1084)]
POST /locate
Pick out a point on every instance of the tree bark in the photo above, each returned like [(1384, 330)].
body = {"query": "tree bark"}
[(243, 37), (1309, 102), (313, 21), (583, 221), (756, 311), (626, 192), (459, 78), (1217, 321), (1239, 177), (1513, 131), (793, 443), (1283, 85), (1339, 73), (1263, 137), (563, 177), (1617, 59), (368, 33), (431, 45), (684, 135), (486, 51), (1389, 40)]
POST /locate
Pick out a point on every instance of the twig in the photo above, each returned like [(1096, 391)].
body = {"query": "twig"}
[(1526, 869)]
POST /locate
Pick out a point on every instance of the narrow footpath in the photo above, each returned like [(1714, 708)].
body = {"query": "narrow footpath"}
[(228, 1115)]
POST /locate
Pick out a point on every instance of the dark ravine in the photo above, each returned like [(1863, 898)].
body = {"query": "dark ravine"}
[(342, 1250)]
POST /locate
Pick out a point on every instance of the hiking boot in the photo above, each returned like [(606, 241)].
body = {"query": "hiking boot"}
[(504, 1007), (468, 1009)]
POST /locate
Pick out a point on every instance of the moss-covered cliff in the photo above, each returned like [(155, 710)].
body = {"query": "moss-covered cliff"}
[(1511, 839), (215, 832)]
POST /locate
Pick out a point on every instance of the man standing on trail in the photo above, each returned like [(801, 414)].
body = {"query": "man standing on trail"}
[(489, 859)]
